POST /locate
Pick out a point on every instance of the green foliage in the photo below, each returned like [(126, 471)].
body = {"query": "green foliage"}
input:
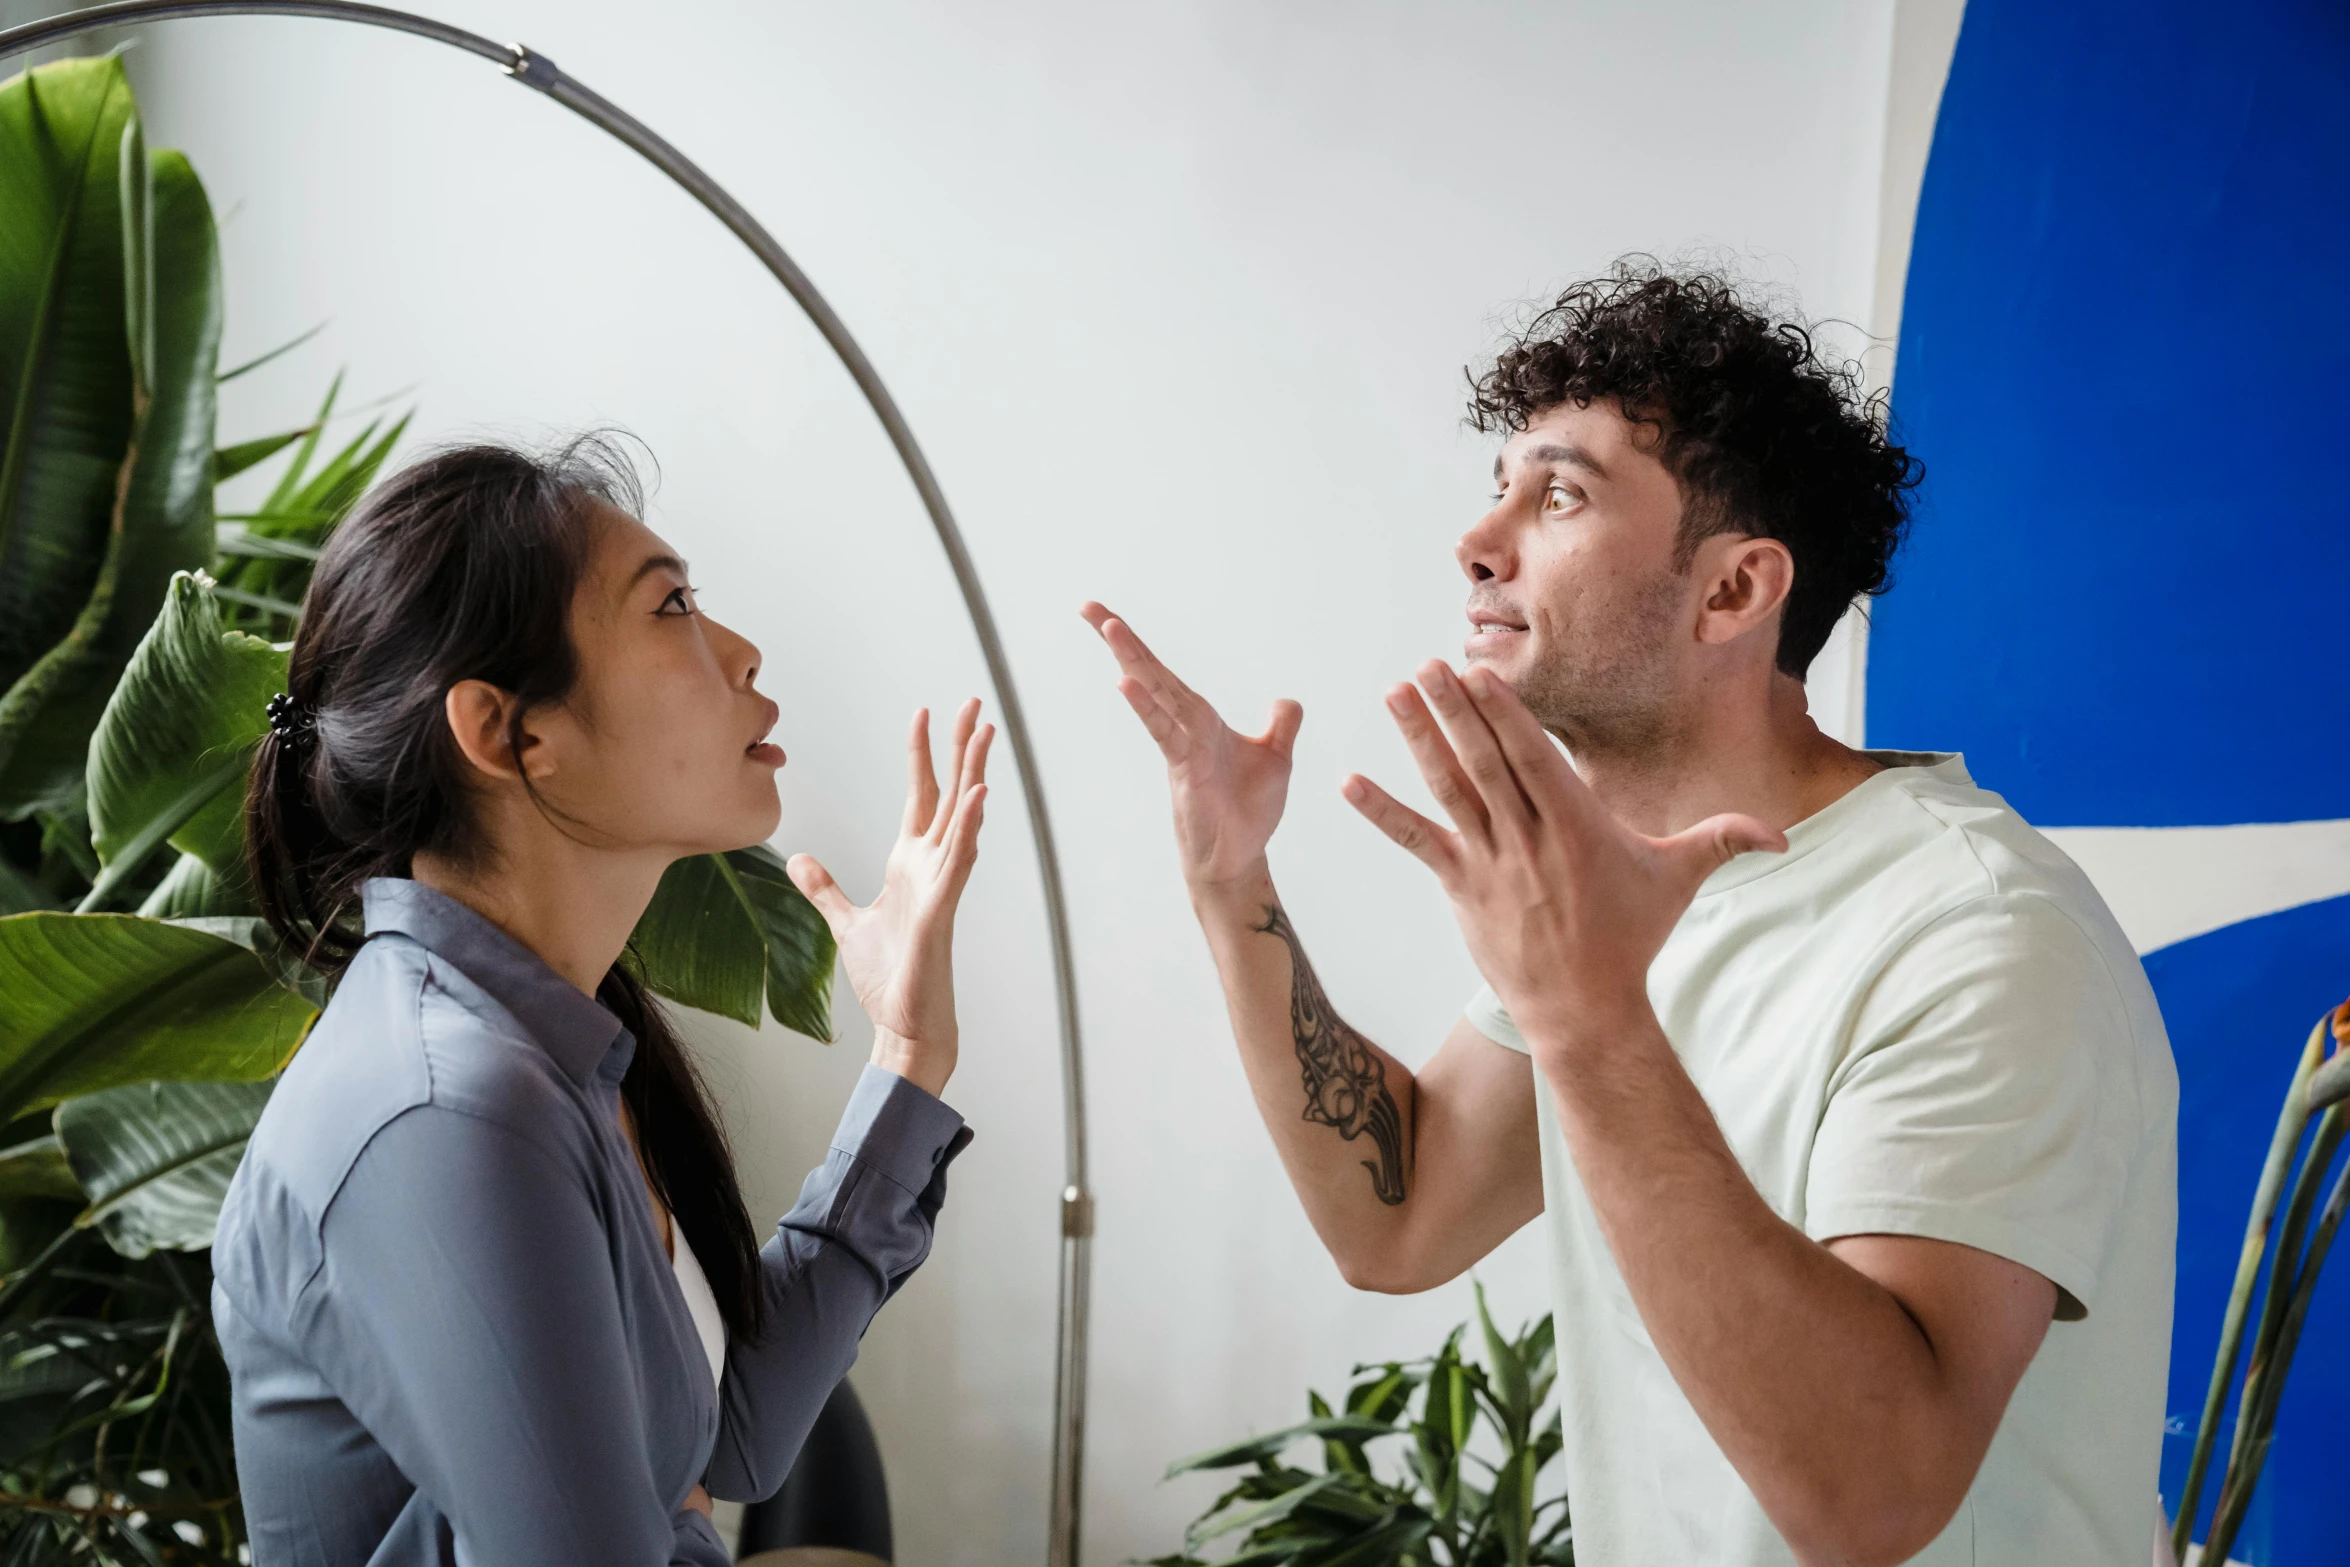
[(727, 931), (155, 1158), (1424, 1504), (170, 755), (265, 555), (109, 332), (2312, 1121), (99, 1000), (114, 1442)]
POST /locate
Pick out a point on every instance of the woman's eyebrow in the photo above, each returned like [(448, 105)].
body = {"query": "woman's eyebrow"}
[(653, 563)]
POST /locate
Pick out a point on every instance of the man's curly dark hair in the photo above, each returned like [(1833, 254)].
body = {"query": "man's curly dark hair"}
[(1764, 436)]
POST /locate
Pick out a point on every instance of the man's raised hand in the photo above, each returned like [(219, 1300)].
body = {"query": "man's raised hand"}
[(1228, 788), (1564, 907)]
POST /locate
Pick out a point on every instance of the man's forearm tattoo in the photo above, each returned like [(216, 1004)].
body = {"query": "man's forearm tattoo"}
[(1346, 1082)]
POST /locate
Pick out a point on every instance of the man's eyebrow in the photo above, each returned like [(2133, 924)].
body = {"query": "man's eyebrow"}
[(1573, 456), (653, 563)]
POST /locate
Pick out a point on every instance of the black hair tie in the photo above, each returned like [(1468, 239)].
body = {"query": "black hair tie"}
[(289, 719)]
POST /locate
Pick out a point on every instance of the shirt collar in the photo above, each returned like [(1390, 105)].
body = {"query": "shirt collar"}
[(573, 1028)]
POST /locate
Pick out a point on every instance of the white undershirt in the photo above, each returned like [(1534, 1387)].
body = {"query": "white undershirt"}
[(700, 1303)]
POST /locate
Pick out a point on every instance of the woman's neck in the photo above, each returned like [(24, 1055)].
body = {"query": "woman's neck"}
[(572, 905)]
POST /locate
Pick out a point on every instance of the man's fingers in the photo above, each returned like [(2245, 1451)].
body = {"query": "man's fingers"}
[(1419, 837), (1479, 750), (1544, 775), (1437, 764), (1699, 851), (1280, 734), (921, 782), (1137, 661), (1154, 718), (818, 887)]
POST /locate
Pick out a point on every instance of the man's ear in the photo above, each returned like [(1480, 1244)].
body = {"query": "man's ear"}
[(479, 714), (1747, 581)]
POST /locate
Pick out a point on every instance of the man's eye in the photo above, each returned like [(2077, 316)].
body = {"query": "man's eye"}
[(679, 602), (1556, 498)]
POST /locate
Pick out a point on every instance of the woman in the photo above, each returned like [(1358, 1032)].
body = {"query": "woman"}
[(484, 1282)]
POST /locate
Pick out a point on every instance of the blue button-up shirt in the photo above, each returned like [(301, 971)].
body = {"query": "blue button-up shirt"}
[(454, 1333)]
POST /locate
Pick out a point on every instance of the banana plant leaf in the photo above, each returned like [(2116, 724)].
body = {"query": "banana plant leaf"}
[(37, 1169), (156, 1158), (99, 1000), (170, 756), (109, 340), (192, 889), (728, 931)]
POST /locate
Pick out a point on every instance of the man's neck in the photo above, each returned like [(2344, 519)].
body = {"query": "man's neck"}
[(1762, 759)]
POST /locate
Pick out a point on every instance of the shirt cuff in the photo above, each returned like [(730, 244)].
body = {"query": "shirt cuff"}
[(901, 1130)]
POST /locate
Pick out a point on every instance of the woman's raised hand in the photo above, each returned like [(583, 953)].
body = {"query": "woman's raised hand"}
[(898, 950)]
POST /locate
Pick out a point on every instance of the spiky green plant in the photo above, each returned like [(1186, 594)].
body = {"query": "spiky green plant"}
[(1433, 1496)]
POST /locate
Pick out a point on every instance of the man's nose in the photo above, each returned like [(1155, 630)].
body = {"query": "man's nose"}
[(1485, 552)]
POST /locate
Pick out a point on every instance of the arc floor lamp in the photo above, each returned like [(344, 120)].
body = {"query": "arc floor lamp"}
[(537, 71)]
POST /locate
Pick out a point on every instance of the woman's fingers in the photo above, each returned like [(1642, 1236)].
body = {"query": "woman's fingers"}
[(1437, 763), (921, 782), (962, 843), (1474, 743), (966, 720), (818, 887), (1417, 836)]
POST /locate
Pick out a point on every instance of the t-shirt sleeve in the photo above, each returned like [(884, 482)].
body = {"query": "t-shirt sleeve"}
[(1489, 1017), (1989, 1098)]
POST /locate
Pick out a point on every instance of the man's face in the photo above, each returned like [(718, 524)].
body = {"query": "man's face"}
[(1574, 594)]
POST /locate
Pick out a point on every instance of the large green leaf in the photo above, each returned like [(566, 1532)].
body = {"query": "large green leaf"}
[(155, 1158), (99, 1000), (726, 931), (156, 511), (65, 370), (37, 1169), (190, 708)]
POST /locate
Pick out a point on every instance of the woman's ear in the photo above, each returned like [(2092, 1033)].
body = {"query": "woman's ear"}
[(1748, 581), (479, 716)]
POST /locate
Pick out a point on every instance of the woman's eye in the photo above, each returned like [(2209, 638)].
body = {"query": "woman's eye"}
[(679, 602)]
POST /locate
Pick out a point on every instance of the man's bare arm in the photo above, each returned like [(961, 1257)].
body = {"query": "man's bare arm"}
[(1408, 1178)]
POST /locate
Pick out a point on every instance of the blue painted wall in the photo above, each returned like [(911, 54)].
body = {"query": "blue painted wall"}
[(2125, 359)]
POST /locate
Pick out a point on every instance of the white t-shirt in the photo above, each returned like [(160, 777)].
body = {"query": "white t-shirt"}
[(1919, 1020), (701, 1302)]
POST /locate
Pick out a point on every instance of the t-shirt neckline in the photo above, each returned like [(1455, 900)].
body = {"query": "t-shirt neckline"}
[(1824, 823)]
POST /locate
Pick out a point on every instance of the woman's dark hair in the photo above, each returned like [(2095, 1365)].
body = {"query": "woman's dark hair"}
[(1764, 436), (462, 566)]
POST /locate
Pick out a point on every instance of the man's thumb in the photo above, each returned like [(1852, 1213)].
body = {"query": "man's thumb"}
[(1714, 842)]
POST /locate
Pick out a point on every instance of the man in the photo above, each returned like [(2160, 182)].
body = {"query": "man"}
[(1844, 1101)]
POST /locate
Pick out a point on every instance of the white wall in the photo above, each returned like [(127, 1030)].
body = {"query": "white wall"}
[(1178, 297)]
